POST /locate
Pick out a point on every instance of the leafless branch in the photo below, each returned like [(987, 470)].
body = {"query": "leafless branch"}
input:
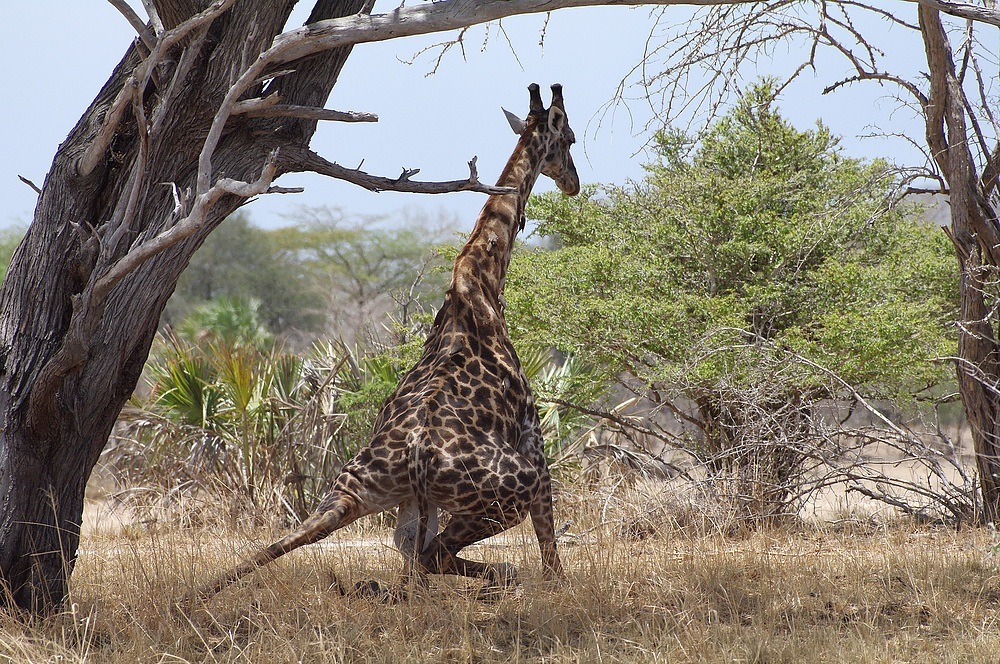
[(457, 14), (263, 108), (154, 16), (122, 221), (964, 10), (613, 416), (180, 72), (284, 190), (140, 78), (991, 172), (442, 49), (943, 191), (30, 184), (137, 23), (187, 226), (112, 118), (317, 164), (256, 105)]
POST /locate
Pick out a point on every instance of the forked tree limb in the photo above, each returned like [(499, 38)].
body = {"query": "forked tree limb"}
[(317, 164), (112, 119), (135, 21), (189, 224), (89, 305), (269, 107)]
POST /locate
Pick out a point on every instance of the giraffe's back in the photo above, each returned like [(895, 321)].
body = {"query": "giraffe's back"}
[(464, 403)]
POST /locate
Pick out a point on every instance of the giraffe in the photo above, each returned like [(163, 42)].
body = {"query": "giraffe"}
[(460, 435)]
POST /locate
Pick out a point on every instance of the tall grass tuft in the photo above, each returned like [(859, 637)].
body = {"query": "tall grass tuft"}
[(261, 427)]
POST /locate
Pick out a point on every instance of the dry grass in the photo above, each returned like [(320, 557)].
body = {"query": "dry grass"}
[(798, 594)]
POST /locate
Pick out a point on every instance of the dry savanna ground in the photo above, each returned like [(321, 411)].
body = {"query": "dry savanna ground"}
[(638, 590)]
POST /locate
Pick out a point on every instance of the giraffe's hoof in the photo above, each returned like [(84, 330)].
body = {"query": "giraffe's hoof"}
[(373, 590), (504, 575), (500, 582)]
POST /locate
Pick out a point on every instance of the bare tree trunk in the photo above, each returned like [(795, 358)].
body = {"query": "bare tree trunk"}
[(73, 346), (976, 235)]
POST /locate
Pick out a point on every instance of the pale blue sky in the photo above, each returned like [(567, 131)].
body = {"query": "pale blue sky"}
[(60, 52)]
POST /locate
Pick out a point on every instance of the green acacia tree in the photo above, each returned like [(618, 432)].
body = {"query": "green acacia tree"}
[(745, 280), (369, 269)]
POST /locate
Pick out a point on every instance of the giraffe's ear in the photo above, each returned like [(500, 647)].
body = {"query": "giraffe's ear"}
[(557, 120), (515, 122)]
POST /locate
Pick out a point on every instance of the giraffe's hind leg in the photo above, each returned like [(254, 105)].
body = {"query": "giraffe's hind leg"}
[(407, 532), (543, 523)]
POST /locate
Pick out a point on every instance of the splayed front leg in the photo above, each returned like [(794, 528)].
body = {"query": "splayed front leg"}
[(337, 510)]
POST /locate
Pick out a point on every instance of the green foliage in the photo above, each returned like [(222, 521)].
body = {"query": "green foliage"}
[(227, 321), (366, 258), (747, 278), (227, 410), (245, 263), (10, 238), (324, 275), (559, 388), (762, 236)]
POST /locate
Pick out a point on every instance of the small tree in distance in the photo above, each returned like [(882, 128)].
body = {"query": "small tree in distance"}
[(367, 270), (735, 280), (322, 274), (245, 262)]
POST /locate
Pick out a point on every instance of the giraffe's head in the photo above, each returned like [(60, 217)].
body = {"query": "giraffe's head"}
[(548, 131)]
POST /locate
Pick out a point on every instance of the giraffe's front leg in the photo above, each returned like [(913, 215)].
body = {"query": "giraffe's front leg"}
[(542, 517)]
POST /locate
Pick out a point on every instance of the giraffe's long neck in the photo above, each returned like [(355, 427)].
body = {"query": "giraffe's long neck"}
[(481, 267)]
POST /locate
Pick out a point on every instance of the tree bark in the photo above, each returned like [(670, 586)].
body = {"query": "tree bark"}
[(976, 236), (72, 347)]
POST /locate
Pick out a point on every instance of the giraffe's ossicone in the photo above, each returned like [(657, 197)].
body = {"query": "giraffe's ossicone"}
[(460, 435)]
